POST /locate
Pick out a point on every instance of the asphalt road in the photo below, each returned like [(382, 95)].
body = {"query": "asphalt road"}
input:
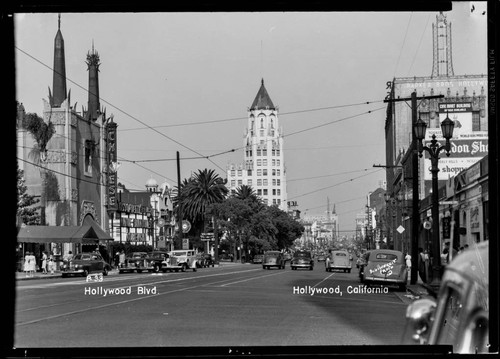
[(233, 305)]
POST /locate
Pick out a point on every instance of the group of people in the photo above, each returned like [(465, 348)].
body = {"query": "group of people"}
[(30, 266), (422, 263)]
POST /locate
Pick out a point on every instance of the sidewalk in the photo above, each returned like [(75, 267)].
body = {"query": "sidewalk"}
[(57, 274)]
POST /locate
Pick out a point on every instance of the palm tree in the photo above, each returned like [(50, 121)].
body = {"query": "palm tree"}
[(201, 190), (247, 193)]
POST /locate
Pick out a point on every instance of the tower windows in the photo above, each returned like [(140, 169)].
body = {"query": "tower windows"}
[(88, 158)]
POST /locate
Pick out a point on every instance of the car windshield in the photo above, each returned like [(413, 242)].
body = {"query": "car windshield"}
[(302, 254), (182, 253), (137, 255), (157, 255), (340, 254), (82, 257), (384, 257)]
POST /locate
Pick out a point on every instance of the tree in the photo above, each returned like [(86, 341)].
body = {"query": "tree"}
[(41, 131), (202, 189), (27, 208)]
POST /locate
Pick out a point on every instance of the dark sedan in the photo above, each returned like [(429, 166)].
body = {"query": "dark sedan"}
[(302, 259), (154, 260), (135, 262), (85, 264)]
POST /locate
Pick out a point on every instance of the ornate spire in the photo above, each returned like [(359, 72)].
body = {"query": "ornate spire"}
[(262, 100), (59, 70), (93, 63), (441, 40)]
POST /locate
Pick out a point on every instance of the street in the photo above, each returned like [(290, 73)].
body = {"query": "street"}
[(230, 305)]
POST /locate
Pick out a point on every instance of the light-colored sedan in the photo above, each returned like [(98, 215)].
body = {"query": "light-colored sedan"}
[(385, 266), (339, 260), (273, 259)]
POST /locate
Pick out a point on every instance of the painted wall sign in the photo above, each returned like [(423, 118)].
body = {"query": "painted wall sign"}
[(111, 133)]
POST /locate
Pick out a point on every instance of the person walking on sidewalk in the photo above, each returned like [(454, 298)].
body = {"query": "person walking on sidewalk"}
[(52, 263), (422, 272), (44, 262), (408, 264)]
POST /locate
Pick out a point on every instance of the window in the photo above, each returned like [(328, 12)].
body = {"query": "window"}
[(261, 123), (274, 192), (278, 182), (274, 201), (277, 152), (239, 173), (264, 172), (233, 173), (262, 133), (264, 183), (259, 152), (259, 162), (264, 152), (264, 162), (279, 192), (88, 158), (279, 202), (476, 121), (273, 162), (274, 181), (233, 183), (259, 182), (273, 152), (274, 172), (265, 191), (277, 172), (259, 172), (249, 182), (240, 182), (259, 192), (249, 172), (277, 162)]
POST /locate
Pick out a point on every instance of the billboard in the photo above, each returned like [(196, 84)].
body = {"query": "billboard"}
[(467, 146)]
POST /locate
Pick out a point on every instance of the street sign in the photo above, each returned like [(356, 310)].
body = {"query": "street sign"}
[(186, 226), (400, 229), (161, 222), (427, 225), (207, 237)]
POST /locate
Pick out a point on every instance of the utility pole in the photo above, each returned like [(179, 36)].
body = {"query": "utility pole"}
[(179, 202), (415, 195)]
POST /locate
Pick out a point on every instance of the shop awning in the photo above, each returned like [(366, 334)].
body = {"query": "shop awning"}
[(89, 232)]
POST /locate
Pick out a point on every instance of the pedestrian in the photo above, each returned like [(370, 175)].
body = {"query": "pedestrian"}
[(44, 262), (122, 259), (445, 255), (52, 263), (117, 259), (26, 268), (408, 263), (422, 265)]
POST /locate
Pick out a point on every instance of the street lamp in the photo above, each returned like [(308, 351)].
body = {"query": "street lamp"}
[(434, 148)]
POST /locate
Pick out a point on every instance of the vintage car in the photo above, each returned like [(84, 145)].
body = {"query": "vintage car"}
[(459, 317), (204, 260), (181, 259), (154, 260), (321, 257), (302, 259), (134, 262), (340, 260), (85, 264), (273, 259), (385, 266), (257, 259)]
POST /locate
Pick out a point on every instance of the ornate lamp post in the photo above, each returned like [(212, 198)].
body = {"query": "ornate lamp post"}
[(434, 148)]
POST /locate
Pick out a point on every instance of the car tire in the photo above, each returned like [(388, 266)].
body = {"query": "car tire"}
[(402, 287), (184, 267), (311, 268), (348, 271), (139, 271)]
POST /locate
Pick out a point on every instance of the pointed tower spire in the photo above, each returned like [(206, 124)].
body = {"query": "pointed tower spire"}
[(262, 100), (441, 50), (93, 63), (59, 71)]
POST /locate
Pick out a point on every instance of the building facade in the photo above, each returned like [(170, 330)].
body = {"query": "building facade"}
[(462, 98), (69, 172), (263, 166)]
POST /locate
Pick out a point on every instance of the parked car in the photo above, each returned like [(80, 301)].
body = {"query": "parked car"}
[(204, 260), (181, 259), (154, 260), (257, 259), (341, 260), (385, 266), (134, 262), (273, 259), (321, 257), (85, 264), (302, 259), (459, 317)]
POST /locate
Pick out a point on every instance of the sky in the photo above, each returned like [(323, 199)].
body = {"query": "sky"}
[(182, 82)]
